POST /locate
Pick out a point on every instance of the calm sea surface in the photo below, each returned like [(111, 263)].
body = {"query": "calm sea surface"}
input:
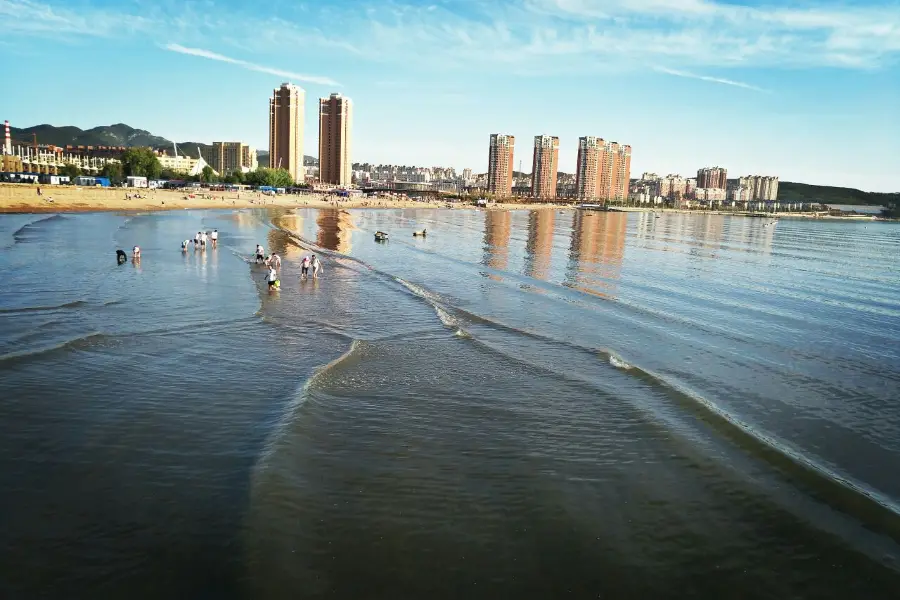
[(521, 405)]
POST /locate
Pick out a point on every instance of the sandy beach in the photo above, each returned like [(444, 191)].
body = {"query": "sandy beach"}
[(18, 198)]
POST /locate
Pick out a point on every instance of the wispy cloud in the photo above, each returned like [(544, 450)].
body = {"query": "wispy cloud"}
[(679, 73), (249, 65)]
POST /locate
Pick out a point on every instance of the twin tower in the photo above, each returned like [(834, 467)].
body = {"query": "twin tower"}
[(602, 169), (286, 115)]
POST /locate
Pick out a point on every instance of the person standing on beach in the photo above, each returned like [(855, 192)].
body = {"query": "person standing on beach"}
[(203, 239), (184, 245), (214, 236), (316, 266), (260, 254), (196, 240)]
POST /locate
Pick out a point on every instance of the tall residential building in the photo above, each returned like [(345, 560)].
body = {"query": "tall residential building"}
[(544, 166), (712, 177), (228, 157), (614, 174), (759, 187), (286, 130), (672, 187), (500, 164), (591, 152), (335, 135)]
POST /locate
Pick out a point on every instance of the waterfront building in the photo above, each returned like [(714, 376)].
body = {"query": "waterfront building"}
[(500, 164), (335, 139), (228, 157), (544, 166), (712, 177), (286, 130)]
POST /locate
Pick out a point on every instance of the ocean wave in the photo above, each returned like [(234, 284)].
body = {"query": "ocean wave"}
[(300, 397), (26, 309), (75, 343), (38, 224)]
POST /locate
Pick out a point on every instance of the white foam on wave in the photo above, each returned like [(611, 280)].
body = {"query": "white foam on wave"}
[(618, 362)]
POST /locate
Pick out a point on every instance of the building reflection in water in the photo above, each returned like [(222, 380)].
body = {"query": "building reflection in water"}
[(335, 229), (539, 248), (496, 239), (279, 241), (596, 252)]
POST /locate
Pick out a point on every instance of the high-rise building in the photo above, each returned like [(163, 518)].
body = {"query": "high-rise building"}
[(759, 187), (613, 171), (500, 164), (228, 157), (672, 187), (286, 130), (603, 169), (544, 166), (335, 139), (591, 151), (712, 177)]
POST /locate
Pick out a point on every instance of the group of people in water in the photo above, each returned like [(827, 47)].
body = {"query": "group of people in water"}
[(201, 240), (273, 263)]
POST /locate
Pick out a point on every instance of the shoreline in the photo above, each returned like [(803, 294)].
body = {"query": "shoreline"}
[(23, 199)]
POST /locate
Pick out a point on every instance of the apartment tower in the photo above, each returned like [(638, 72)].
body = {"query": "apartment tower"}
[(712, 177), (591, 151), (335, 131), (228, 157), (500, 164), (603, 169), (544, 166), (286, 130)]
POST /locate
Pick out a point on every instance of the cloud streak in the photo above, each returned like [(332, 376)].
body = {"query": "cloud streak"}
[(208, 54), (688, 75)]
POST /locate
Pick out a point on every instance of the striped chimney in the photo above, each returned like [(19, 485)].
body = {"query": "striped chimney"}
[(7, 142)]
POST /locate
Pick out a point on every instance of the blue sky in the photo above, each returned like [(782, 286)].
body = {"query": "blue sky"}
[(809, 91)]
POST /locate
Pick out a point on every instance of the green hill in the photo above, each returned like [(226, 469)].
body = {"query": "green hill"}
[(119, 134), (789, 191)]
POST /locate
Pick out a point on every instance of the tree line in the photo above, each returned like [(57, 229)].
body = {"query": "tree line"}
[(143, 162)]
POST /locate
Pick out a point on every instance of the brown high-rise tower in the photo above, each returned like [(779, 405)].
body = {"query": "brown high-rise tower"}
[(712, 177), (500, 164), (544, 166), (286, 130), (335, 130)]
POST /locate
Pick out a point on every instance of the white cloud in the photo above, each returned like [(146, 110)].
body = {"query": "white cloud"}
[(689, 75), (250, 66)]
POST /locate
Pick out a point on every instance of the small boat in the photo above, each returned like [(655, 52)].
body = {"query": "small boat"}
[(419, 233), (380, 236)]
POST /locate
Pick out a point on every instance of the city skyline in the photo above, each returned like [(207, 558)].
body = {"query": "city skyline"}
[(780, 84)]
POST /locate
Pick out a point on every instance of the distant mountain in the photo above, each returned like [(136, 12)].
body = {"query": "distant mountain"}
[(119, 134)]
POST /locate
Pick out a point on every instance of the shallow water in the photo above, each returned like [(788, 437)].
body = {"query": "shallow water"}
[(529, 404)]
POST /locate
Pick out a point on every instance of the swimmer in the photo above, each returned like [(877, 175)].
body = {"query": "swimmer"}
[(316, 266), (259, 254), (136, 252), (214, 236), (272, 278), (203, 239), (304, 267), (121, 257), (275, 260)]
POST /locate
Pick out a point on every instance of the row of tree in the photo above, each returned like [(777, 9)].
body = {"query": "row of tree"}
[(143, 162)]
